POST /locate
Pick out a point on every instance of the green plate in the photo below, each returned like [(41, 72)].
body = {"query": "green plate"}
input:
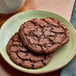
[(62, 55)]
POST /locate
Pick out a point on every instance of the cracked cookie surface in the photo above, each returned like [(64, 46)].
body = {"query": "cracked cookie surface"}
[(44, 35), (25, 57)]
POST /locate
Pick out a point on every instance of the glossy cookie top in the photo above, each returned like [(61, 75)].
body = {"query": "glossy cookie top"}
[(44, 35)]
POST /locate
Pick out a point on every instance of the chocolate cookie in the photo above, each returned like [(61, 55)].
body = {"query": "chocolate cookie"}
[(44, 35), (25, 57)]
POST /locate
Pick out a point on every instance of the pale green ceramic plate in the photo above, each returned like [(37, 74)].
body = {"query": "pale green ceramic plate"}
[(62, 55)]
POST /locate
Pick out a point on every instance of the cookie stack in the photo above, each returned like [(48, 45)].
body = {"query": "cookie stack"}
[(34, 45)]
